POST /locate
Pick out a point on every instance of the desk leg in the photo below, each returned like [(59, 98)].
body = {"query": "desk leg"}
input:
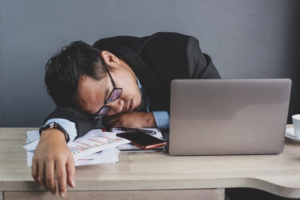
[(2, 195), (220, 194)]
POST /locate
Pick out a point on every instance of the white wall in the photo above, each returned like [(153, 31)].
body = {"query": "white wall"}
[(246, 39)]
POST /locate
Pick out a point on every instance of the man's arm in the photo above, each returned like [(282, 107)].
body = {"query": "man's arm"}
[(132, 119), (155, 119), (51, 159)]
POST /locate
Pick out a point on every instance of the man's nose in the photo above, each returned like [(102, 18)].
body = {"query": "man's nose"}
[(116, 106)]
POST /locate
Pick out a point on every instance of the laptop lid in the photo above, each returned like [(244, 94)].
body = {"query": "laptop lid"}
[(228, 116)]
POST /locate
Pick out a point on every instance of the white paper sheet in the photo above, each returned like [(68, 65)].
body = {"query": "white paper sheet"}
[(95, 147)]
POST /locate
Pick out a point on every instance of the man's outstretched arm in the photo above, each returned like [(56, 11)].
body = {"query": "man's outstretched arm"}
[(52, 159)]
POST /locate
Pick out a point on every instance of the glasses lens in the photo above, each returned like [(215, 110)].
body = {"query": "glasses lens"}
[(116, 93), (104, 110)]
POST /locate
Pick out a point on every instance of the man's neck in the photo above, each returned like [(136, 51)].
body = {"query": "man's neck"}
[(126, 66)]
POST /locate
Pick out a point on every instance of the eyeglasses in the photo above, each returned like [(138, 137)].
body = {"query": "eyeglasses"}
[(114, 95)]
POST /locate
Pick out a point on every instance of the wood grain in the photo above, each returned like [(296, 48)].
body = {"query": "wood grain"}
[(123, 195)]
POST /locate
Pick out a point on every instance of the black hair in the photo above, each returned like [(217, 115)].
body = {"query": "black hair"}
[(64, 70)]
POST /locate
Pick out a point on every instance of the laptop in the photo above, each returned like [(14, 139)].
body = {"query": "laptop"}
[(228, 116)]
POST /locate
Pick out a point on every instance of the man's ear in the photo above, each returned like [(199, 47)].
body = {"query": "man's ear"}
[(110, 58)]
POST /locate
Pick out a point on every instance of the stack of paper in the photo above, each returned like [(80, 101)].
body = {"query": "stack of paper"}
[(95, 147)]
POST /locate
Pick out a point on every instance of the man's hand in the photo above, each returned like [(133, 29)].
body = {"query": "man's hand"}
[(130, 119), (52, 159)]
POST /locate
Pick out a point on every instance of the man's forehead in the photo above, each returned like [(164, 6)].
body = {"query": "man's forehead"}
[(92, 93)]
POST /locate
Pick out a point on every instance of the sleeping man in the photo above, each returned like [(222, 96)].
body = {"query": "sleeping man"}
[(124, 81)]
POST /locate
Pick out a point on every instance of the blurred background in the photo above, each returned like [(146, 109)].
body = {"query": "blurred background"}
[(246, 39)]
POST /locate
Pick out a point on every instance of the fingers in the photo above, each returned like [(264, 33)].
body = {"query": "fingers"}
[(35, 172), (71, 171), (107, 124), (114, 123), (61, 177), (45, 175), (107, 119), (50, 162), (50, 180), (42, 177)]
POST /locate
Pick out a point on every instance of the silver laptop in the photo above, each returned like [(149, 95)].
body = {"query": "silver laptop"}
[(228, 116)]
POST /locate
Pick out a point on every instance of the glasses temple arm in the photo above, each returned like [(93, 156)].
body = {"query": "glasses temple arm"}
[(112, 80)]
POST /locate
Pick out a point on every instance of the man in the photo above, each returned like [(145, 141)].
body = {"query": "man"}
[(123, 80)]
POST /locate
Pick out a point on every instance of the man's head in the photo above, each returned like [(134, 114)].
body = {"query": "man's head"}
[(77, 77)]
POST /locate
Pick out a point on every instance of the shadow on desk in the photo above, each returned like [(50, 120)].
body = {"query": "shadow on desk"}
[(251, 194)]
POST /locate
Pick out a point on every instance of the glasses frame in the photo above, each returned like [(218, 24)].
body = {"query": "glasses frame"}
[(96, 115)]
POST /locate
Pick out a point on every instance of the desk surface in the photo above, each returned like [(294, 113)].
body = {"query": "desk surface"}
[(277, 174)]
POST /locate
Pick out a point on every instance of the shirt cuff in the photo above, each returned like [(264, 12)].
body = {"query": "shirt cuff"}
[(69, 126), (162, 119)]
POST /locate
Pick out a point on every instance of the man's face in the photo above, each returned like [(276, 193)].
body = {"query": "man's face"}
[(93, 93)]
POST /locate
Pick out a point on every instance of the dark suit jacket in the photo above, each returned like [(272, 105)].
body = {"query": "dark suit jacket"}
[(156, 60)]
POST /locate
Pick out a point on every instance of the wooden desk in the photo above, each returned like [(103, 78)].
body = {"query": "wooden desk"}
[(150, 175)]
